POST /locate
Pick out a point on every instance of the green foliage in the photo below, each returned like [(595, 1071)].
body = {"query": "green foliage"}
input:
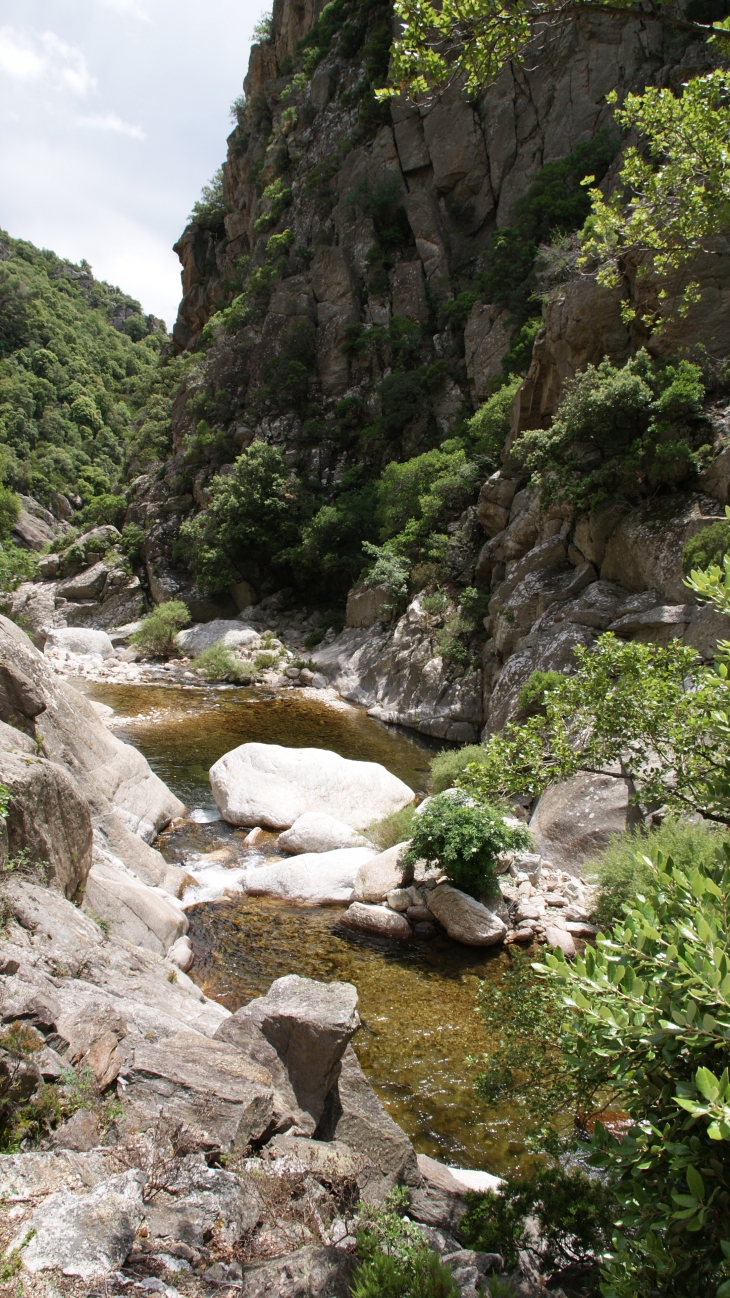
[(71, 385), (678, 183), (531, 695), (650, 1007), (573, 1213), (627, 867), (657, 713), (436, 603), (105, 509), (332, 541), (707, 548), (446, 766), (219, 663), (392, 829), (9, 512), (263, 31), (488, 429), (132, 543), (620, 431), (277, 196), (210, 209), (16, 565), (156, 635), (5, 796), (394, 1261), (387, 569), (254, 510), (517, 359), (464, 840), (417, 499)]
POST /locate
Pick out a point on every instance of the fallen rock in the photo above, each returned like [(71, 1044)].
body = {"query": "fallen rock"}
[(298, 1032), (311, 1272), (377, 919), (266, 784), (560, 937), (317, 878), (382, 874), (573, 821), (87, 1235), (200, 1198), (85, 585), (465, 919), (79, 640), (316, 832)]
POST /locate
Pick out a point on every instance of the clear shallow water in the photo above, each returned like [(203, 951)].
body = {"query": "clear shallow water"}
[(417, 1000)]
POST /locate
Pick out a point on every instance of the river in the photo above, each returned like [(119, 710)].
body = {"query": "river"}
[(417, 1000)]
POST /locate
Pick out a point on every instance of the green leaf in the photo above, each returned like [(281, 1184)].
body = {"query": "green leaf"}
[(707, 1084), (695, 1182)]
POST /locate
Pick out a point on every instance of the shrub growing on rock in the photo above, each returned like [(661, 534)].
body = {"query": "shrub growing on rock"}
[(706, 548), (464, 839), (156, 635), (394, 1261), (219, 663)]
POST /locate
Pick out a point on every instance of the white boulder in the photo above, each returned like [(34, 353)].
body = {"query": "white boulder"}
[(317, 878), (382, 874), (265, 784), (378, 920), (317, 832), (79, 640), (465, 919), (194, 639)]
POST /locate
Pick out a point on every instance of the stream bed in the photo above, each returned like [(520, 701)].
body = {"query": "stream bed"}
[(417, 1000)]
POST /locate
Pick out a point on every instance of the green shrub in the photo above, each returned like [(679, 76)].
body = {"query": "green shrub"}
[(446, 766), (266, 659), (210, 209), (9, 512), (392, 829), (219, 663), (132, 543), (707, 548), (464, 840), (574, 1214), (105, 509), (623, 872), (488, 429), (394, 1261), (156, 635), (16, 565), (531, 695), (436, 603), (388, 568), (620, 431)]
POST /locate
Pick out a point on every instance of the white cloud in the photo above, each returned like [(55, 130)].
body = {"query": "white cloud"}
[(44, 58), (111, 122), (127, 7)]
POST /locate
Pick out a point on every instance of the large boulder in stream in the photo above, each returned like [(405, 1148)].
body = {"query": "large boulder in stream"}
[(315, 878), (465, 919), (265, 784)]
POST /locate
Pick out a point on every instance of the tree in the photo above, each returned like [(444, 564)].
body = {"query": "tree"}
[(464, 840), (652, 714), (469, 43)]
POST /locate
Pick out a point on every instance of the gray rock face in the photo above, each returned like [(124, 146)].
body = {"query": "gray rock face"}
[(193, 640), (317, 832), (355, 1116), (378, 876), (574, 821), (368, 607), (465, 919), (311, 1272), (299, 1031), (144, 916), (379, 920), (85, 1235), (265, 784)]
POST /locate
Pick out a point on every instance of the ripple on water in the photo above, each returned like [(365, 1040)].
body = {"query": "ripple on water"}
[(417, 1000)]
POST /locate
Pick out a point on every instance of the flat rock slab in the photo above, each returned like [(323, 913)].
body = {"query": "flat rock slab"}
[(315, 878), (272, 786), (465, 919), (378, 920), (317, 832), (87, 1235)]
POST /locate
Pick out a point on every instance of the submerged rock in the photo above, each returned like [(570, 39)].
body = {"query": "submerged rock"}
[(272, 786)]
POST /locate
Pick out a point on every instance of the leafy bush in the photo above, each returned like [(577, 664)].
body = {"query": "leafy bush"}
[(446, 766), (387, 569), (435, 603), (625, 869), (620, 431), (105, 509), (210, 209), (706, 548), (574, 1214), (156, 635), (392, 829), (219, 663), (132, 543), (531, 695), (16, 565), (9, 512), (394, 1261), (489, 427), (464, 840)]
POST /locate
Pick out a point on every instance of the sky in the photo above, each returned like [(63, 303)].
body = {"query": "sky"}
[(113, 115)]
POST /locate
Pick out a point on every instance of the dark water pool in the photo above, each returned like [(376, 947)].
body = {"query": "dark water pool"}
[(417, 1001)]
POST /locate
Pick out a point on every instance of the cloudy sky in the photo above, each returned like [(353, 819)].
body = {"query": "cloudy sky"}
[(113, 114)]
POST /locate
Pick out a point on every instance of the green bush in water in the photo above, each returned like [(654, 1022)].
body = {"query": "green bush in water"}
[(451, 762), (219, 663), (623, 872), (464, 839), (156, 635)]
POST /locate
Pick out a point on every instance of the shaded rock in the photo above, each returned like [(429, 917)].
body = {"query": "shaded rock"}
[(48, 818), (81, 1132), (382, 873), (465, 919), (354, 1115), (316, 832), (265, 784), (367, 607), (317, 878), (312, 1272), (656, 625), (78, 640), (85, 1235), (707, 626), (85, 585), (377, 919), (573, 821), (298, 1032), (31, 529)]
